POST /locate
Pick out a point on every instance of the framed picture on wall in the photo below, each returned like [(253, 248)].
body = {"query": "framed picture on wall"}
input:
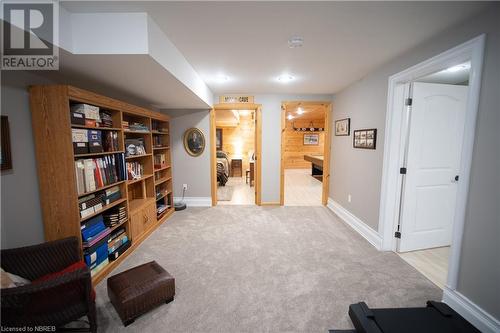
[(311, 139), (218, 138), (343, 127), (365, 139), (5, 157)]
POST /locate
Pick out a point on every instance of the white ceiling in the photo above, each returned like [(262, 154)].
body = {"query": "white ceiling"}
[(247, 41)]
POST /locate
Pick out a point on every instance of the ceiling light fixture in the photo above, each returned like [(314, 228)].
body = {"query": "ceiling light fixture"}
[(295, 42), (285, 78), (222, 78), (290, 117), (300, 110)]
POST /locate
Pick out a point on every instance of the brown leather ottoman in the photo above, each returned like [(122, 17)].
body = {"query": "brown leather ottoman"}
[(140, 289)]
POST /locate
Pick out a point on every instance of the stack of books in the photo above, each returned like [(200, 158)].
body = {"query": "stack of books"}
[(95, 237), (112, 194), (135, 170), (110, 141), (115, 216), (125, 125), (159, 127), (161, 208), (157, 141), (160, 160), (94, 173), (90, 204), (106, 119), (117, 244), (138, 127)]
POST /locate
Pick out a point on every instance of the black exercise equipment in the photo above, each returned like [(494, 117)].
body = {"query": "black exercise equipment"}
[(437, 317)]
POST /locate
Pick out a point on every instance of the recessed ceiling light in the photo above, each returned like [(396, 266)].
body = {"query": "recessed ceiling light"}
[(222, 78), (290, 117), (300, 110), (244, 112), (285, 78), (458, 68), (295, 42)]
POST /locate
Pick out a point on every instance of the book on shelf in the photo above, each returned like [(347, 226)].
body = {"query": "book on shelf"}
[(137, 127), (135, 170), (115, 217), (99, 267), (95, 202), (134, 146), (161, 208), (106, 119), (94, 173), (119, 251), (160, 160), (158, 142), (110, 141), (159, 127)]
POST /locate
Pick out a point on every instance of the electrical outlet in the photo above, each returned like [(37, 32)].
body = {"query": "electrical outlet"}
[(185, 186), (349, 198)]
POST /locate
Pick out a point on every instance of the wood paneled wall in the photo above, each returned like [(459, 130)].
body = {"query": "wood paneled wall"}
[(239, 141), (295, 149)]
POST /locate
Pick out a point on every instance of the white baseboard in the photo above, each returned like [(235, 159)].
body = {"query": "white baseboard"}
[(196, 201), (362, 228), (470, 311)]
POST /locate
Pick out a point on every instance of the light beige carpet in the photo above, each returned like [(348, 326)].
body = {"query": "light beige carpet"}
[(266, 269)]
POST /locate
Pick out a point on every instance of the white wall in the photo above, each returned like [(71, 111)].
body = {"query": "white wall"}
[(271, 139), (359, 172), (21, 217), (193, 171)]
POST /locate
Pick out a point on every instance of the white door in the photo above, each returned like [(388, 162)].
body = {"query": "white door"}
[(433, 161)]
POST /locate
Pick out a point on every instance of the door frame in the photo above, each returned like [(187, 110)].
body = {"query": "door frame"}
[(258, 147), (326, 149), (473, 51)]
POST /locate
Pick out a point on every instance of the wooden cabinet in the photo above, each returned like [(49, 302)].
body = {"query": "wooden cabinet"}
[(236, 167), (142, 220)]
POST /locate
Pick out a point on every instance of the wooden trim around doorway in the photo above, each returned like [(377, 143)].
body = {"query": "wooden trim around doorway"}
[(326, 149), (258, 147)]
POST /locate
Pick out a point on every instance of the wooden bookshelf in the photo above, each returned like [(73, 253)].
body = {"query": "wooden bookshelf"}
[(52, 130)]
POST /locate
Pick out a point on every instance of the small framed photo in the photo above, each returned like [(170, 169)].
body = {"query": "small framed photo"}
[(365, 139), (311, 139), (343, 127)]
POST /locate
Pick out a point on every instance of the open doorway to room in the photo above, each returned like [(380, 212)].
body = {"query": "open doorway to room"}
[(433, 140), (235, 144), (305, 151), (235, 137)]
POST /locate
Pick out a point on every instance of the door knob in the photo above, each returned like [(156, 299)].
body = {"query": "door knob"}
[(455, 179)]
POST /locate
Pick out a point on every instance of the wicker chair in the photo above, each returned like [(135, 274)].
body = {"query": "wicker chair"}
[(55, 302)]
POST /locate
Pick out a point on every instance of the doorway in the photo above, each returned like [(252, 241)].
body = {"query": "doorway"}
[(235, 135), (305, 153), (432, 109)]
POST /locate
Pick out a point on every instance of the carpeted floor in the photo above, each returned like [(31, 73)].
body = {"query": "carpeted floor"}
[(266, 269)]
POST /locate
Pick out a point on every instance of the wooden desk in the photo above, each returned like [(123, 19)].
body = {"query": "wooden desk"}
[(316, 165)]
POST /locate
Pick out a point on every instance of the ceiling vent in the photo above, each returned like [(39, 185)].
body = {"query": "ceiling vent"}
[(295, 42)]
